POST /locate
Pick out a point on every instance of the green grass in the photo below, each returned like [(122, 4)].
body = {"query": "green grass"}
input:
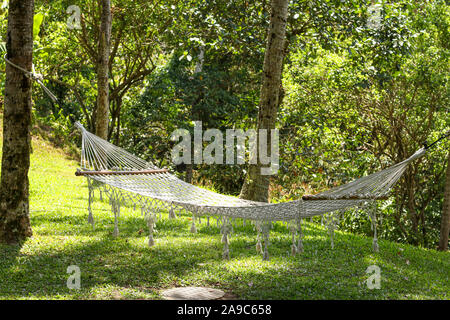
[(126, 268)]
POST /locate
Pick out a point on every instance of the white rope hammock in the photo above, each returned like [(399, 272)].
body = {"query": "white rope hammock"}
[(127, 179)]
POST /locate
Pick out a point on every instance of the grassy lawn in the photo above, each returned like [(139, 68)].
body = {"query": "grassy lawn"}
[(126, 268)]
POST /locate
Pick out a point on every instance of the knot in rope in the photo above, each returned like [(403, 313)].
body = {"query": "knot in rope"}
[(33, 75)]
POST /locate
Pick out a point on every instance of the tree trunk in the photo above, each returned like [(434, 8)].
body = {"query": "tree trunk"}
[(445, 221), (196, 116), (14, 195), (102, 112), (119, 108), (256, 185)]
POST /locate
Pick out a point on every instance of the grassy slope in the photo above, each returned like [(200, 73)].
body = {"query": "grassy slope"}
[(125, 268)]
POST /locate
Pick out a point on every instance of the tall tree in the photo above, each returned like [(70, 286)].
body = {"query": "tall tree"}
[(134, 46), (195, 115), (445, 220), (14, 194), (102, 111), (256, 185)]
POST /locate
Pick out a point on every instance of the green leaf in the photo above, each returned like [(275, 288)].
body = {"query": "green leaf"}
[(37, 21)]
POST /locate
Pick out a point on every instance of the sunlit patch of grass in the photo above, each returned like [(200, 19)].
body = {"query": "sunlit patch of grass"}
[(126, 268)]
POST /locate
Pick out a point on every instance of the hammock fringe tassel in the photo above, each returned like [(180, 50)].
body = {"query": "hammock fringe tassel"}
[(193, 228), (91, 191), (266, 230), (375, 246), (299, 248), (151, 225), (258, 237), (225, 240)]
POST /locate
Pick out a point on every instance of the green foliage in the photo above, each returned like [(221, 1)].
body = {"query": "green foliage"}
[(221, 96), (125, 268), (369, 106)]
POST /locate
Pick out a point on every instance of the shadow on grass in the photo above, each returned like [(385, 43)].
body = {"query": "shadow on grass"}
[(102, 261), (179, 258), (8, 256)]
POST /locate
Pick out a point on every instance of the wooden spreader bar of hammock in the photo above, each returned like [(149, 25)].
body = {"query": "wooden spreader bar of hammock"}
[(322, 197), (131, 172)]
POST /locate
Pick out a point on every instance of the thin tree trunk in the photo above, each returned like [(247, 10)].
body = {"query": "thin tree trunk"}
[(445, 221), (119, 107), (189, 173), (14, 194), (256, 186), (102, 112), (195, 116)]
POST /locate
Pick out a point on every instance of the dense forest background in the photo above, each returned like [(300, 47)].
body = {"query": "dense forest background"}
[(364, 85)]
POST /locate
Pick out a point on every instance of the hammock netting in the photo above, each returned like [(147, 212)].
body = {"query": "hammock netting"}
[(129, 180)]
